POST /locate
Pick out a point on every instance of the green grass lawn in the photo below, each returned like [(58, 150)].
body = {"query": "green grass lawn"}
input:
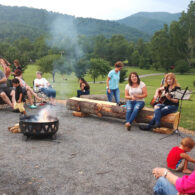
[(67, 88)]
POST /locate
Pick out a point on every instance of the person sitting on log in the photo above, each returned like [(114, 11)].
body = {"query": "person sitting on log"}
[(113, 82), (27, 89), (6, 67), (135, 92), (170, 184), (177, 158), (6, 93), (167, 104), (84, 88), (19, 96)]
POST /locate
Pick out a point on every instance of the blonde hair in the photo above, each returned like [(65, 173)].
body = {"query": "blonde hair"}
[(172, 76), (188, 142)]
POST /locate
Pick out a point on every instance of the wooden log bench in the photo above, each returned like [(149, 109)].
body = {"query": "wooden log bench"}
[(84, 107)]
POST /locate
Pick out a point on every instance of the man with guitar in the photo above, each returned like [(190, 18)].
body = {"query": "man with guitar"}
[(165, 103)]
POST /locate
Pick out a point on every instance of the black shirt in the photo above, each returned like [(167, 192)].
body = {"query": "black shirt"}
[(168, 102), (18, 92)]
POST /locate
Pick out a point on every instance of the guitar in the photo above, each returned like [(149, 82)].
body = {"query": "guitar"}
[(160, 99)]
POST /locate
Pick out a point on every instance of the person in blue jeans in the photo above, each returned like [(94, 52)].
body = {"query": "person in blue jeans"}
[(113, 82), (135, 92), (168, 104)]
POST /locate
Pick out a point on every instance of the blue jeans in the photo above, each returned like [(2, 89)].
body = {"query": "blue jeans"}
[(162, 111), (49, 92), (116, 94), (133, 107), (164, 187), (79, 93)]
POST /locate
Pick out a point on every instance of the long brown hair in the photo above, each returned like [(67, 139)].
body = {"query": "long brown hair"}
[(129, 79), (17, 62), (84, 81), (172, 75)]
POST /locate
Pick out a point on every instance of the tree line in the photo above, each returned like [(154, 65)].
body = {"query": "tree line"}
[(171, 47)]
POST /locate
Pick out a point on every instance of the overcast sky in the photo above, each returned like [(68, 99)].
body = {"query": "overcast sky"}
[(103, 9)]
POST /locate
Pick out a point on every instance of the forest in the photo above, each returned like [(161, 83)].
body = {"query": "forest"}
[(64, 49)]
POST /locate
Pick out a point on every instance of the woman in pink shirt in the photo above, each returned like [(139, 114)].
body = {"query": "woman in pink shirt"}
[(170, 184)]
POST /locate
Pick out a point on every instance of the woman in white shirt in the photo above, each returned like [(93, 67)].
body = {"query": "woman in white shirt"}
[(43, 85), (135, 92)]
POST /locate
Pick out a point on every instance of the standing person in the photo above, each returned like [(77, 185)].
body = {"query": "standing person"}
[(177, 158), (170, 184), (113, 82), (135, 92), (19, 96), (169, 105), (5, 91), (43, 85), (84, 88)]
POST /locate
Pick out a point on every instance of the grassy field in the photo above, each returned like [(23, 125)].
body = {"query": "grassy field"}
[(67, 88)]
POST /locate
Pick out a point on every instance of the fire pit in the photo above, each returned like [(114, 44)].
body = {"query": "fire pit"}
[(30, 126)]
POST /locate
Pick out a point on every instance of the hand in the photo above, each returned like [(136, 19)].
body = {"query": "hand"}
[(109, 90), (158, 172), (133, 98), (167, 96)]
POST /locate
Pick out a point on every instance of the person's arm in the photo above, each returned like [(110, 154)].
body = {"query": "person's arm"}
[(171, 99), (107, 84), (82, 86), (143, 95), (160, 172), (187, 157), (20, 98)]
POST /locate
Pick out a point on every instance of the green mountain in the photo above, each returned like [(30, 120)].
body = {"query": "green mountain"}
[(149, 22), (17, 22)]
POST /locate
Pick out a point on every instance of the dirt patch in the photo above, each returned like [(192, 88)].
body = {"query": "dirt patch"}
[(90, 156)]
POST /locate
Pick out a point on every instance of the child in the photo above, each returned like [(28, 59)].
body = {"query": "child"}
[(177, 158), (19, 96)]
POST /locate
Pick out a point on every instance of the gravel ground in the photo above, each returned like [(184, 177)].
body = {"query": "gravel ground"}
[(90, 156)]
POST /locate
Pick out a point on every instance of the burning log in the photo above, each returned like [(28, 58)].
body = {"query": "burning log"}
[(103, 108)]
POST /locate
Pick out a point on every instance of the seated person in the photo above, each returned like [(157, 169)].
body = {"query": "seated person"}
[(168, 105), (19, 96), (135, 92), (27, 89), (84, 88), (170, 184), (6, 92), (6, 67), (177, 158), (16, 67), (43, 85)]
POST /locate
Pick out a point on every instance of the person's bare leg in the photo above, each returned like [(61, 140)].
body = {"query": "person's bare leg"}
[(29, 97), (33, 93), (185, 168), (6, 99), (13, 97)]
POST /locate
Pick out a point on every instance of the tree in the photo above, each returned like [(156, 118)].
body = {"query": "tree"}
[(98, 67), (81, 67), (47, 63), (182, 66), (123, 75)]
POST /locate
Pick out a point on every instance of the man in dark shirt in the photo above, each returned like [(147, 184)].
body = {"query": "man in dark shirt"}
[(6, 91)]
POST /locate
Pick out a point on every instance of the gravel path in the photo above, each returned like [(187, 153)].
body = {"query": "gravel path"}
[(90, 156)]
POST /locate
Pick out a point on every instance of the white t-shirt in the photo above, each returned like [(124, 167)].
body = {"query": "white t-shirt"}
[(43, 82), (136, 90)]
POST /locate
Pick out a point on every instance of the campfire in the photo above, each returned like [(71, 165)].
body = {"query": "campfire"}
[(43, 124)]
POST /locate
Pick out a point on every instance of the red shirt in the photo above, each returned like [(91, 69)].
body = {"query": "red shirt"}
[(173, 157)]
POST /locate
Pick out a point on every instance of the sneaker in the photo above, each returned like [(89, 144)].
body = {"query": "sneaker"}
[(32, 107)]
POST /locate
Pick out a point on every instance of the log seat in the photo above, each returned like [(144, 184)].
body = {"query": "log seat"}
[(105, 108)]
